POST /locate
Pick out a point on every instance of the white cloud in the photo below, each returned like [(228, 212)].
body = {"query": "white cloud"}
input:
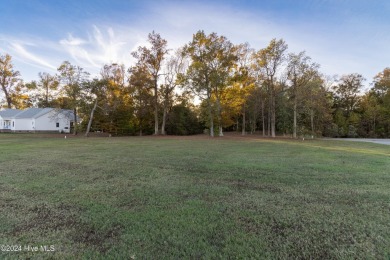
[(101, 45), (72, 41), (23, 53)]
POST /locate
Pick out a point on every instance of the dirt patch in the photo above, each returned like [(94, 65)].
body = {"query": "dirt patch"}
[(45, 219), (246, 185), (101, 240)]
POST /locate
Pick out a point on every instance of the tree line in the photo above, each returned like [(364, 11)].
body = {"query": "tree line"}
[(209, 85)]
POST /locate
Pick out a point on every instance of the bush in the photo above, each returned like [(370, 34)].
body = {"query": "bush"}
[(182, 121)]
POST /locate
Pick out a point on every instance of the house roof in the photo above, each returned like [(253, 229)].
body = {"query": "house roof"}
[(69, 114), (10, 112), (33, 112)]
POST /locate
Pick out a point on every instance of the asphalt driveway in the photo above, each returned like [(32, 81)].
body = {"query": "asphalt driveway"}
[(370, 140)]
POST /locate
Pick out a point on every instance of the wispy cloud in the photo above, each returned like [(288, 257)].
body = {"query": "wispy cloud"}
[(100, 45), (97, 46), (72, 41), (29, 57)]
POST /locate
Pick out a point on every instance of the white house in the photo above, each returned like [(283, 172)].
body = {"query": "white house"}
[(36, 119), (6, 118)]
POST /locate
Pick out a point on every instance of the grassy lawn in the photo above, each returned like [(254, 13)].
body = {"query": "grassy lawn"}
[(160, 198)]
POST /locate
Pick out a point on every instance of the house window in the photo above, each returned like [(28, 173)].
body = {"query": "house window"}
[(13, 123), (57, 124)]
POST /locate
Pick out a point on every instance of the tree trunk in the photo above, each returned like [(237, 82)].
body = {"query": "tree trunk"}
[(7, 97), (75, 121), (9, 102), (295, 119), (47, 97), (155, 110), (269, 119), (91, 118), (164, 120), (273, 117), (219, 113), (210, 117), (243, 121), (253, 124), (262, 116), (312, 122), (220, 131), (211, 126)]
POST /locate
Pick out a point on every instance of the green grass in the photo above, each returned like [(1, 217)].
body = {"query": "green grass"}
[(169, 198)]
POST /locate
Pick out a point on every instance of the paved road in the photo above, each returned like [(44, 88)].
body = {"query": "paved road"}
[(370, 140)]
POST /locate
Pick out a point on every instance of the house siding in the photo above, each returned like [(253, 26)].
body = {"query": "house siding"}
[(21, 124), (35, 119), (48, 122)]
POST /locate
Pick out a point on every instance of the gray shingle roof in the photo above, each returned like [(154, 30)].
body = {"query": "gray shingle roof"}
[(68, 113), (33, 112), (10, 112)]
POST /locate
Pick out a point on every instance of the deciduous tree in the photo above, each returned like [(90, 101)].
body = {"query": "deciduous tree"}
[(141, 91), (244, 77), (301, 70), (346, 99), (151, 60), (174, 67), (269, 61), (211, 59), (73, 79), (9, 78)]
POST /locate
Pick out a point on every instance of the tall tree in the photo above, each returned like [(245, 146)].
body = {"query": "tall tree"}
[(346, 98), (212, 58), (245, 78), (381, 89), (317, 105), (347, 92), (174, 67), (221, 76), (20, 96), (115, 101), (96, 89), (152, 59), (9, 78), (376, 104), (269, 61), (372, 115), (258, 97), (301, 70), (198, 76), (73, 79), (141, 91), (46, 86)]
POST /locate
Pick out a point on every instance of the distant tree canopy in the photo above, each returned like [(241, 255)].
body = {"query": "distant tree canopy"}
[(209, 85)]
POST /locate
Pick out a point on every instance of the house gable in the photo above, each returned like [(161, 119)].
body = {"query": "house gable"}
[(7, 118)]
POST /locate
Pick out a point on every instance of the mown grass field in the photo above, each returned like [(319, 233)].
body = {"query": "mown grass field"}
[(193, 197)]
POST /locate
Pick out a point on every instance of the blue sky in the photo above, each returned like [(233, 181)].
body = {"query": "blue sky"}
[(343, 36)]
